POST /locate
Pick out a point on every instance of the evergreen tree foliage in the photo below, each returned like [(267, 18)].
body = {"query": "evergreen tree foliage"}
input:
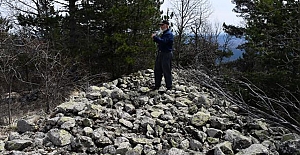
[(104, 35), (269, 70), (272, 49), (116, 33), (43, 20)]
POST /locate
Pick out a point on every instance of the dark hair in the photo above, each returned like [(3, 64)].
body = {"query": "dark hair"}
[(164, 22)]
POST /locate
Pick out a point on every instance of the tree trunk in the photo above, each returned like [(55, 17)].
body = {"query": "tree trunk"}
[(72, 26)]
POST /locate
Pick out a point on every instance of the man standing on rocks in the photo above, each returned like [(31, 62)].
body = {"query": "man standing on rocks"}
[(164, 56)]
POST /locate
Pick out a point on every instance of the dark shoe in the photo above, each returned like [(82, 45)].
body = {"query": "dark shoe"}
[(169, 88), (154, 88)]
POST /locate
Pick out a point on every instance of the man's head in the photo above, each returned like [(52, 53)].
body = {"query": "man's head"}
[(164, 25)]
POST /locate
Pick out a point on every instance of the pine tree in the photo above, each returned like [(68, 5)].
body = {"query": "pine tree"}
[(108, 35), (272, 47), (117, 33)]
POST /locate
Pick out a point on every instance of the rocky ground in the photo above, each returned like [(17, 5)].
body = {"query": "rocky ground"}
[(125, 117)]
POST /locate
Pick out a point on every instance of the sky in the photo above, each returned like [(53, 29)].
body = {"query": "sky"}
[(222, 12)]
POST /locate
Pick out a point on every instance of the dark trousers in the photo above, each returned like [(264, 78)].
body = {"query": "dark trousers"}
[(163, 68)]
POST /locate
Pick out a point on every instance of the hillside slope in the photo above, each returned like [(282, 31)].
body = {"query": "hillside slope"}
[(125, 117)]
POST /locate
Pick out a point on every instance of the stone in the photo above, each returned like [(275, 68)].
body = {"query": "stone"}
[(183, 101), (238, 140), (176, 151), (13, 136), (88, 131), (144, 89), (143, 100), (141, 141), (126, 123), (146, 120), (66, 123), (200, 119), (157, 113), (72, 107), (181, 88), (196, 145), (17, 144), (199, 135), (87, 122), (184, 144), (150, 132), (94, 95), (120, 140), (124, 117), (223, 148), (254, 149), (138, 148), (95, 89), (117, 94), (2, 144), (59, 137), (212, 132), (28, 124), (110, 149), (92, 111), (218, 123), (123, 147), (129, 108), (17, 153), (212, 140)]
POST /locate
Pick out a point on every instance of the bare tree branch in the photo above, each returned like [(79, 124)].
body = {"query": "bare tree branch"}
[(281, 112)]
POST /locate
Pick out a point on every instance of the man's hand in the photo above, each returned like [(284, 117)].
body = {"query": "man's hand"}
[(153, 35)]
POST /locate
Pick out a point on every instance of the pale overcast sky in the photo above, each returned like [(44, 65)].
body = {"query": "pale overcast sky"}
[(222, 12)]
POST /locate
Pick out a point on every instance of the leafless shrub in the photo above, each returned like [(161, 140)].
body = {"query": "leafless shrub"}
[(8, 68), (281, 111), (193, 32), (28, 64)]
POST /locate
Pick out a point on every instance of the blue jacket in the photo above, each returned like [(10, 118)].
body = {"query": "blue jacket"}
[(165, 41)]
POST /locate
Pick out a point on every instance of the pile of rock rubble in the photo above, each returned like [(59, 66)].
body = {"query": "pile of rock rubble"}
[(125, 117)]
